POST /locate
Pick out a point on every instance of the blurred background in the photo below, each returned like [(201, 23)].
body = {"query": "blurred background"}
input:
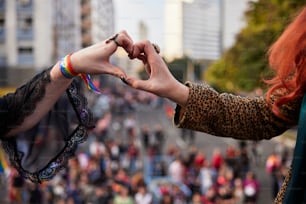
[(223, 42)]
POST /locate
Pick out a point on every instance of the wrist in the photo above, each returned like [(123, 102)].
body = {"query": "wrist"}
[(75, 62), (66, 67), (180, 94), (57, 75)]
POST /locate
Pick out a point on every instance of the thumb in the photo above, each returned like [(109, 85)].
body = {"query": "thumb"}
[(137, 83)]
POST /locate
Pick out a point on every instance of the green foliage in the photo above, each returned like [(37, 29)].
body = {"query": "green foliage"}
[(243, 66), (177, 67)]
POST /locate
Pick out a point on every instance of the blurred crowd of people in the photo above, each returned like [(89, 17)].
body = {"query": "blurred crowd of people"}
[(122, 163)]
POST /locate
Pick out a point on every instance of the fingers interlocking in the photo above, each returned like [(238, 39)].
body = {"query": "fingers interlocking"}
[(156, 47), (115, 40)]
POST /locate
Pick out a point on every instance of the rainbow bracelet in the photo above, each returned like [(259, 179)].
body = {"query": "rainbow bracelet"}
[(68, 72), (66, 67)]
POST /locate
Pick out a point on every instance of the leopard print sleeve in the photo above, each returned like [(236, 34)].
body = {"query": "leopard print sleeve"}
[(229, 115)]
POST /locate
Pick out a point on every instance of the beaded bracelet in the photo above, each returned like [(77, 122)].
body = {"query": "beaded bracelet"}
[(68, 72)]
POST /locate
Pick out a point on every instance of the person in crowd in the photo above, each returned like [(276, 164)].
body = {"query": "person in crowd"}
[(210, 196), (251, 188), (159, 135), (43, 121), (188, 135), (167, 198), (123, 196), (176, 170), (101, 195), (133, 156), (238, 191), (145, 134), (143, 196), (217, 159), (201, 108)]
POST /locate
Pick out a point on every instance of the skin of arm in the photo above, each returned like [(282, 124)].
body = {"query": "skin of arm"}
[(91, 60), (54, 90)]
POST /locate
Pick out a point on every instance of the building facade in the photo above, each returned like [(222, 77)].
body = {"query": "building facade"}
[(36, 33), (201, 29), (66, 26), (33, 36), (25, 39), (102, 18)]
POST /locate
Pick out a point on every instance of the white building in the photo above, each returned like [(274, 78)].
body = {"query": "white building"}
[(67, 27), (32, 37), (233, 20), (201, 29), (34, 34), (102, 18), (23, 30)]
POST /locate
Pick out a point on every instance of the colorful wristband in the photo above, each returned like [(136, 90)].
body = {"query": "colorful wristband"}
[(66, 67), (68, 72)]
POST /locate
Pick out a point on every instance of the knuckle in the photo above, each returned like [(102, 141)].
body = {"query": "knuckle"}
[(123, 32), (147, 42)]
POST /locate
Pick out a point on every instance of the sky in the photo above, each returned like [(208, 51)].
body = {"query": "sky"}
[(128, 14)]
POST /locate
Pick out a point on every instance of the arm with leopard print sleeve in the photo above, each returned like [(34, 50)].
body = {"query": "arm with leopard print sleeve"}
[(228, 115), (203, 109)]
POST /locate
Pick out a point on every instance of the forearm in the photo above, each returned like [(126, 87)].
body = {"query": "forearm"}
[(51, 93), (227, 115), (179, 94)]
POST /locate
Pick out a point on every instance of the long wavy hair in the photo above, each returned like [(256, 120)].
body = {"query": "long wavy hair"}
[(287, 57)]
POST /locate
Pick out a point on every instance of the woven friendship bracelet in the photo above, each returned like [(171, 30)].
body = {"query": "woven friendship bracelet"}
[(68, 72), (66, 67)]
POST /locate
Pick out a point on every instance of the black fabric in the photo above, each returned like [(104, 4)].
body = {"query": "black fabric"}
[(14, 107), (42, 151)]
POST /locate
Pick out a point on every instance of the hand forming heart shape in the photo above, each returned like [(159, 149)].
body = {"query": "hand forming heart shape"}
[(95, 60), (134, 50)]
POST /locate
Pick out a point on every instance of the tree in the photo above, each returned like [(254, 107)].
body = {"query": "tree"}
[(243, 66)]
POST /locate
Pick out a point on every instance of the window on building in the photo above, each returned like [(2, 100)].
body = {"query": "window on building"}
[(25, 55), (2, 4), (2, 56), (25, 27), (24, 3), (2, 21), (25, 50), (2, 29), (26, 23)]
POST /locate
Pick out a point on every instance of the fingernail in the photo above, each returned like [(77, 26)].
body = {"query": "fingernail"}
[(124, 80)]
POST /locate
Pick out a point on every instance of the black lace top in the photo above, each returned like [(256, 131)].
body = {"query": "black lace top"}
[(42, 151)]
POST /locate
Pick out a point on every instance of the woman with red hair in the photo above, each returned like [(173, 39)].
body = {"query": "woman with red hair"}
[(251, 118)]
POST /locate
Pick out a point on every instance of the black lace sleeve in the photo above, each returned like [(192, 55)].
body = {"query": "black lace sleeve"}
[(42, 151), (14, 107)]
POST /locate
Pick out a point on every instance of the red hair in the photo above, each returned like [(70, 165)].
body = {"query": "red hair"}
[(287, 57)]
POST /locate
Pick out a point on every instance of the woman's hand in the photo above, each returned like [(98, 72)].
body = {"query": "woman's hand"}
[(160, 82), (95, 59)]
